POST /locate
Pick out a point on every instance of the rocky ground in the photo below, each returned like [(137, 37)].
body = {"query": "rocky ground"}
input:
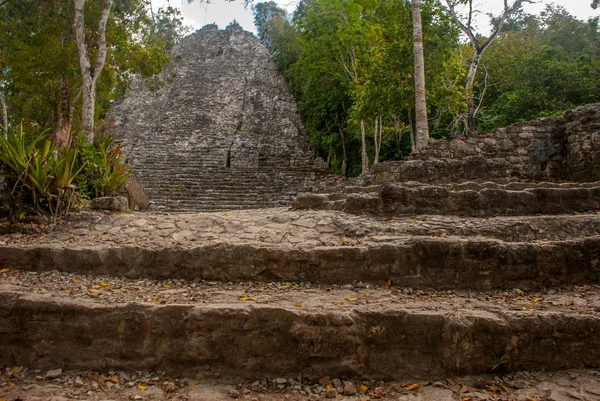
[(299, 229), (21, 383)]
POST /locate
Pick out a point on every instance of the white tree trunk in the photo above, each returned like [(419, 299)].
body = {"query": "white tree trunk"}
[(90, 75), (365, 156), (4, 114), (422, 127)]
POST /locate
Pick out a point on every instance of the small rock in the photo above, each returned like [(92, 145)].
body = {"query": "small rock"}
[(53, 374), (281, 380), (349, 388), (325, 380), (233, 393), (331, 393)]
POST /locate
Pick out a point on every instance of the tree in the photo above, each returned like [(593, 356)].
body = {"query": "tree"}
[(422, 125), (479, 44), (40, 73), (90, 75), (541, 66)]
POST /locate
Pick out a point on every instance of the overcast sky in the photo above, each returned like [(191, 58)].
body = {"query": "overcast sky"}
[(222, 12)]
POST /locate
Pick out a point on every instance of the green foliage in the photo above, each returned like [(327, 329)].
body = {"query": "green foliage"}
[(103, 166), (39, 68), (542, 66), (352, 60), (37, 172), (44, 178)]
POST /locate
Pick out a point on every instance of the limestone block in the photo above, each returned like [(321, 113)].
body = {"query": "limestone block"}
[(111, 203)]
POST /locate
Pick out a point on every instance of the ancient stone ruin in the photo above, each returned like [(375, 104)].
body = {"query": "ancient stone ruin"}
[(546, 166), (222, 133)]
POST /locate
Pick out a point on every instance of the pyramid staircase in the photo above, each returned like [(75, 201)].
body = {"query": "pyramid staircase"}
[(421, 280)]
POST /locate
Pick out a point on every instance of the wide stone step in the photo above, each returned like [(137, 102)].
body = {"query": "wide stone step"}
[(398, 199), (253, 330), (440, 263)]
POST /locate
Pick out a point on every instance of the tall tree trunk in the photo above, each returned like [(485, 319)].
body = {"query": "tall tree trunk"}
[(412, 131), (90, 75), (4, 113), (344, 153), (377, 133), (470, 92), (422, 128), (63, 126), (364, 155)]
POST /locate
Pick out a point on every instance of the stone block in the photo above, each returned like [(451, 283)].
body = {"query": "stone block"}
[(110, 203)]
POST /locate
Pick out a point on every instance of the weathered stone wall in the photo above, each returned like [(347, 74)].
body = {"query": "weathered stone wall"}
[(582, 134), (558, 148), (223, 132)]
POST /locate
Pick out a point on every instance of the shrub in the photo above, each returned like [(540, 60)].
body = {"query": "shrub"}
[(38, 174), (103, 166)]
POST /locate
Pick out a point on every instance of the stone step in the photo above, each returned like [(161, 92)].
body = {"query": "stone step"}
[(401, 199), (442, 252), (417, 262), (256, 330)]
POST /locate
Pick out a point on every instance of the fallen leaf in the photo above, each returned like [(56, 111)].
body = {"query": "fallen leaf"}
[(166, 285), (14, 369), (412, 387), (443, 235), (328, 388), (503, 387), (4, 270), (109, 379), (527, 308), (93, 290), (105, 284), (519, 298), (339, 303), (76, 281), (351, 299), (389, 283), (538, 299), (531, 399), (464, 389), (366, 294), (344, 240), (224, 214), (297, 305), (142, 387), (363, 389), (155, 299), (193, 384), (244, 298)]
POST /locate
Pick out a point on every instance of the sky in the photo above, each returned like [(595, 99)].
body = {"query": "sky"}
[(222, 12)]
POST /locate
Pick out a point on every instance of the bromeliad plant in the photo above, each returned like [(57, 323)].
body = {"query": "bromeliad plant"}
[(103, 166), (38, 173)]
